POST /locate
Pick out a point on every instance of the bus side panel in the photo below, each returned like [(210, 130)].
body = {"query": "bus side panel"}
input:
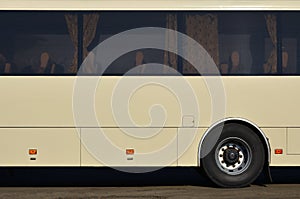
[(148, 5), (41, 101), (54, 147), (265, 101), (150, 101), (293, 137), (278, 140), (127, 147), (48, 102), (188, 145)]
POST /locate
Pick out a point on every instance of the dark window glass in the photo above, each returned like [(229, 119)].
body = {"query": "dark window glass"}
[(36, 43), (244, 44), (137, 61), (237, 43), (290, 34)]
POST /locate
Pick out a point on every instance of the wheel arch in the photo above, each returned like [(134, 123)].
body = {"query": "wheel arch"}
[(242, 121)]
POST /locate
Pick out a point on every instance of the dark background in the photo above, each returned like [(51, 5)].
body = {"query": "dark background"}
[(94, 177)]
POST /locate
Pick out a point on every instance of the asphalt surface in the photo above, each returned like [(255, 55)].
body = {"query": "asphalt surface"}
[(108, 183)]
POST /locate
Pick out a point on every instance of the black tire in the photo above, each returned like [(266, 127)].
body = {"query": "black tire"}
[(236, 159)]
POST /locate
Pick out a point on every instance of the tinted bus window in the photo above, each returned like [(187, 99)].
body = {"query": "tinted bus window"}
[(239, 43), (35, 43), (290, 29)]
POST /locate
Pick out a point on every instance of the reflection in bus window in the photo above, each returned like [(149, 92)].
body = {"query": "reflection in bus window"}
[(249, 37), (23, 41)]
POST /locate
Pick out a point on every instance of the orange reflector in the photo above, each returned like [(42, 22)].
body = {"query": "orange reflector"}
[(278, 151), (32, 151), (129, 151)]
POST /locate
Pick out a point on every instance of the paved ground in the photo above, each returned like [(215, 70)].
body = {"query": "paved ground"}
[(108, 184), (160, 192)]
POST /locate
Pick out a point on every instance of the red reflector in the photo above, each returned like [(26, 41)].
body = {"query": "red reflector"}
[(129, 151), (32, 151), (278, 151)]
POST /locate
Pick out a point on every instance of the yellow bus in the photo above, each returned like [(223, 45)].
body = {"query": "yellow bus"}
[(138, 85)]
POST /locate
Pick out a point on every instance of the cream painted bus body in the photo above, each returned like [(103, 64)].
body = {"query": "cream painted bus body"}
[(37, 112)]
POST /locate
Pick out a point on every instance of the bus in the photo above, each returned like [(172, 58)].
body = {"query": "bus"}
[(138, 85)]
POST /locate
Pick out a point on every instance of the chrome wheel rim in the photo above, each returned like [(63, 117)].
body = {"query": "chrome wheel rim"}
[(233, 156)]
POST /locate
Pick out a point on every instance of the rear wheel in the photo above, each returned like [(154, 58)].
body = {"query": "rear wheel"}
[(236, 159)]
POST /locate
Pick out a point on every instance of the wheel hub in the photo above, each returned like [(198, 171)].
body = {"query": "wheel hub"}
[(232, 156)]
